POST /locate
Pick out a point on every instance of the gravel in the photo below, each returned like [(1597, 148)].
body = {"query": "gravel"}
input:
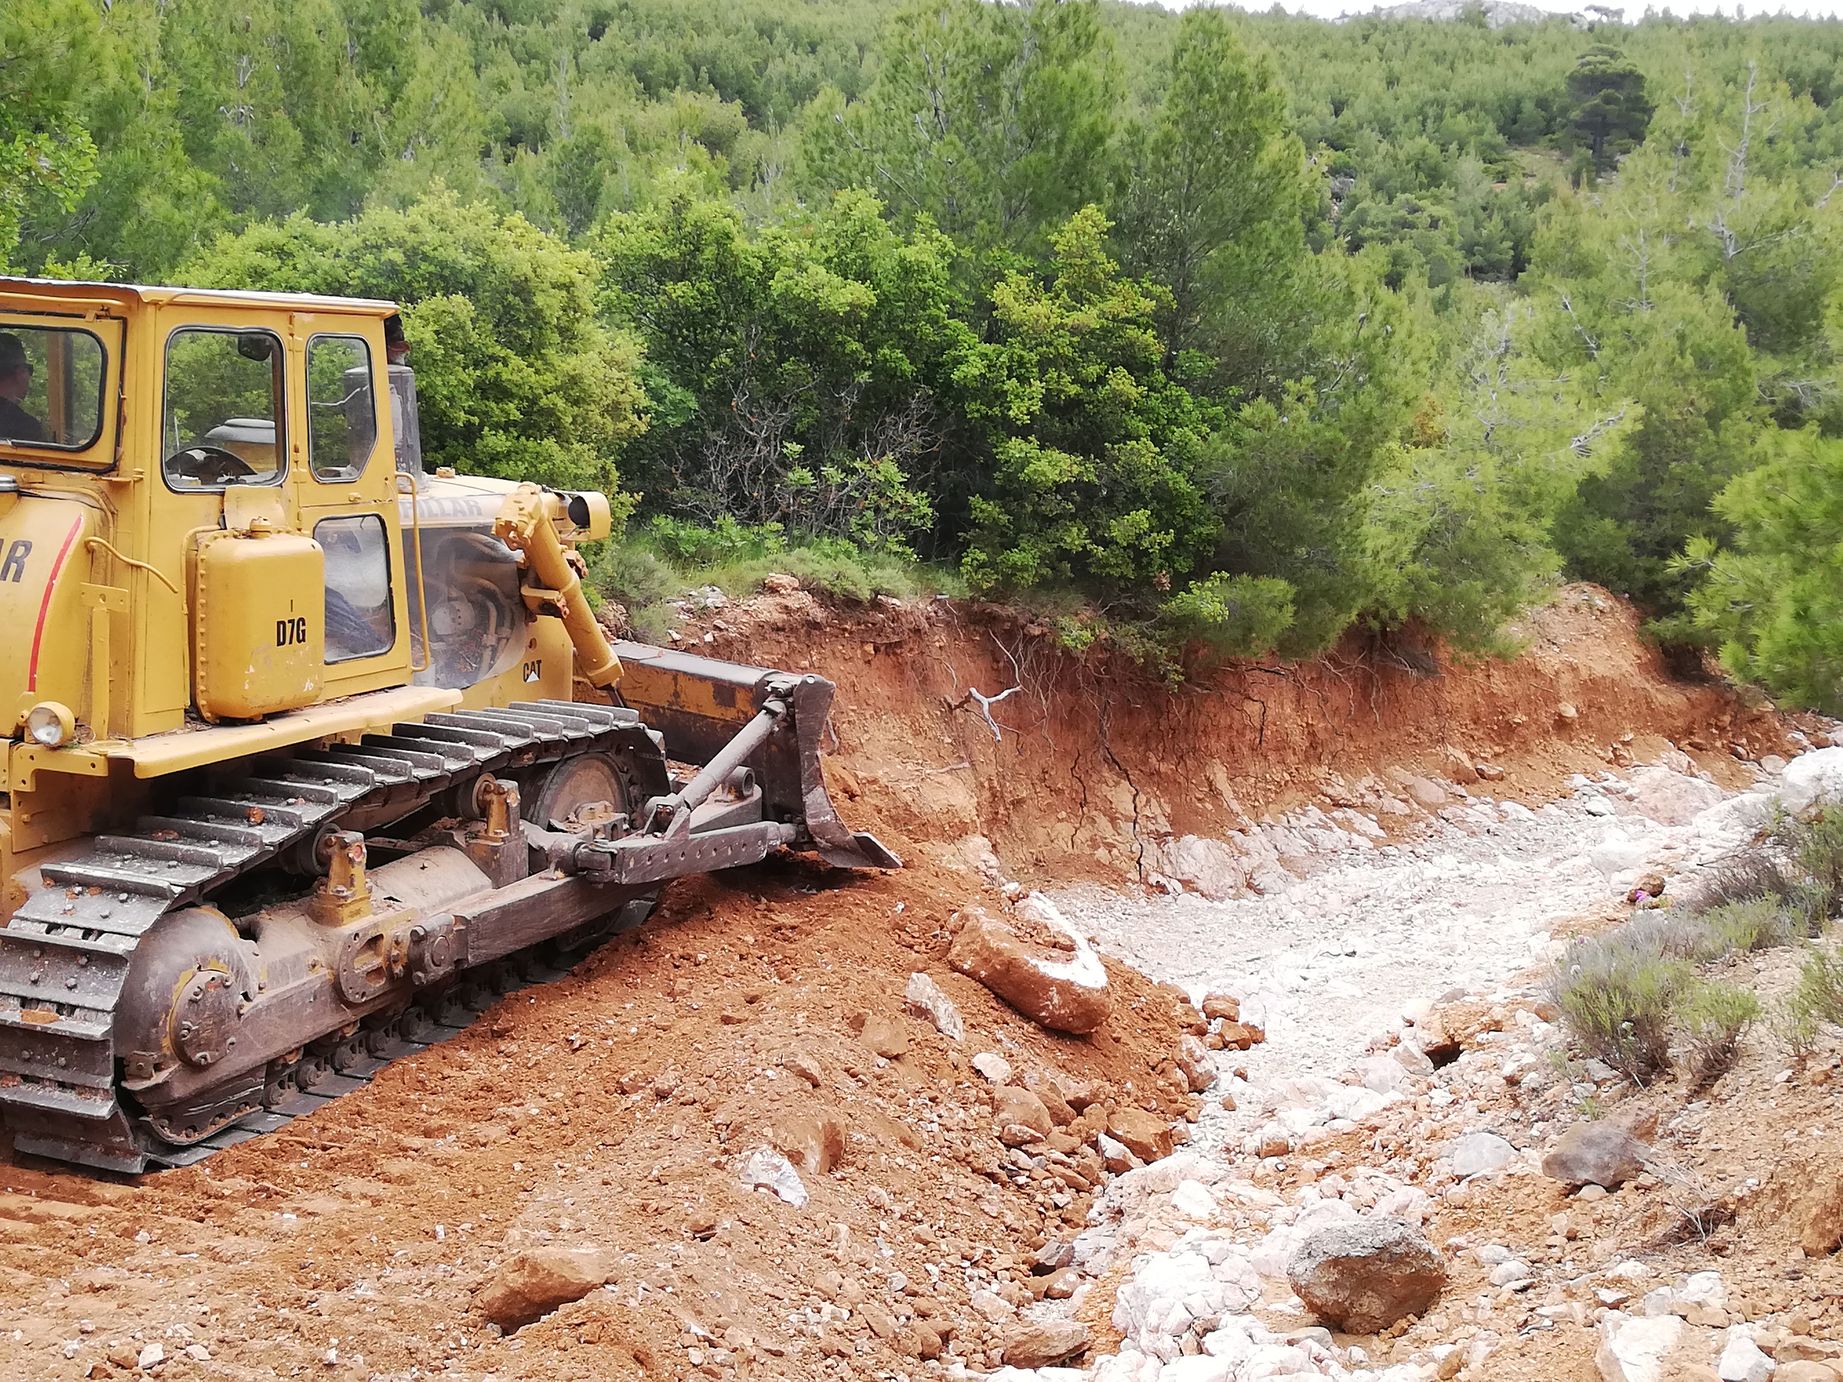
[(1334, 959)]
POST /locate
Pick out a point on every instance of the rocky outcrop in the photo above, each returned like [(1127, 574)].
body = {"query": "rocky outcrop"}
[(1145, 1135), (814, 1142), (1038, 1343), (1638, 1350), (1820, 1230), (924, 998), (1020, 1115)]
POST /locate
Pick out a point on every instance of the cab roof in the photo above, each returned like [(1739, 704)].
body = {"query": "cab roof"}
[(15, 292)]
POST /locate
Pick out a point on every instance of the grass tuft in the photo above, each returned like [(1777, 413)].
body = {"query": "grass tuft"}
[(648, 573)]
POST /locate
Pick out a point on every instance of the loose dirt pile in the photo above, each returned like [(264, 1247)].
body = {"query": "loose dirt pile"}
[(759, 1033), (613, 1110)]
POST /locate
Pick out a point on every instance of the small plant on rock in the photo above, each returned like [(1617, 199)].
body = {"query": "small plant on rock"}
[(1713, 1018), (1745, 876), (1814, 843), (1677, 934)]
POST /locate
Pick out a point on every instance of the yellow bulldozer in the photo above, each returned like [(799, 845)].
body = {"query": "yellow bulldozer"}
[(309, 752)]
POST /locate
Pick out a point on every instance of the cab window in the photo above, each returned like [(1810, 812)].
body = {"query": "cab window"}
[(359, 619), (51, 381), (222, 421), (342, 420)]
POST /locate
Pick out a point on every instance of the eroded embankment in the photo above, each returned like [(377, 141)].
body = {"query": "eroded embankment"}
[(1087, 767)]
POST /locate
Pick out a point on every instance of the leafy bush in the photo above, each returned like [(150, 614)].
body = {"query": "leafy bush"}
[(698, 545), (639, 581), (797, 371), (1713, 1018), (515, 374), (1626, 996), (1239, 616), (1093, 445), (1676, 934), (1772, 597), (1617, 994)]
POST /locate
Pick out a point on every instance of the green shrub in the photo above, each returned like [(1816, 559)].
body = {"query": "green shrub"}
[(839, 569), (1759, 924), (640, 582), (1817, 1001), (1675, 934), (1744, 876), (1238, 616), (1616, 994), (1815, 845), (696, 545), (1713, 1018)]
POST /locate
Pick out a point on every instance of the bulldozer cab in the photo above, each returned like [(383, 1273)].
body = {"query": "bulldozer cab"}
[(204, 521)]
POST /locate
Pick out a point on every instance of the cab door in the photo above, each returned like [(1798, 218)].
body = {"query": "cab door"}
[(222, 514), (346, 494)]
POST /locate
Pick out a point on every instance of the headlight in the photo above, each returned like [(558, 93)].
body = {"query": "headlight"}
[(51, 725)]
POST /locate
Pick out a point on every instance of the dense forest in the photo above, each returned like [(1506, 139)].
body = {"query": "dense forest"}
[(1210, 333)]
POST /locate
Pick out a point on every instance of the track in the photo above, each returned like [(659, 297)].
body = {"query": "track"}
[(67, 953)]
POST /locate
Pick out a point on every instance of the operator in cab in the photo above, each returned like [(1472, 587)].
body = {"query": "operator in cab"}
[(16, 424)]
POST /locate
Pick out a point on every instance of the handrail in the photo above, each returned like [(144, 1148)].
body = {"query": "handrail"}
[(422, 591)]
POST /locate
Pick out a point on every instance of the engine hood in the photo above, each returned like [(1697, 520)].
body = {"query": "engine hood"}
[(43, 637)]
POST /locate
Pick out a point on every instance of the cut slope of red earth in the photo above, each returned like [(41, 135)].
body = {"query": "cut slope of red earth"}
[(612, 1110), (1096, 769)]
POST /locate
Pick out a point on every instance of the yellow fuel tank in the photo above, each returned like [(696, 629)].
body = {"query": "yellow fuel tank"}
[(259, 613)]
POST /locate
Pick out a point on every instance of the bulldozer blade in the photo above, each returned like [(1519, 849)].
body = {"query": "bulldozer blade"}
[(700, 704)]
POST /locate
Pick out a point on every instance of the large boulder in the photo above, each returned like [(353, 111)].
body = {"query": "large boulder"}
[(887, 1036), (529, 1285), (1020, 1115), (1601, 1153), (1812, 777), (1145, 1135), (1040, 965), (1210, 867), (1480, 1153), (1039, 1343), (1193, 1058), (1638, 1350), (1364, 1276), (1671, 798), (1820, 1217)]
